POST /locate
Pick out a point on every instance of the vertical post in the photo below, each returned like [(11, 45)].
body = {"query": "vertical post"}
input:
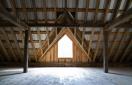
[(75, 31), (25, 67), (105, 50)]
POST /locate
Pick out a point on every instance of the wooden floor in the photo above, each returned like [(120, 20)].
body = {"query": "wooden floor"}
[(65, 76)]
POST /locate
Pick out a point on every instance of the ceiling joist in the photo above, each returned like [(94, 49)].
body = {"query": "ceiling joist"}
[(120, 20), (6, 15)]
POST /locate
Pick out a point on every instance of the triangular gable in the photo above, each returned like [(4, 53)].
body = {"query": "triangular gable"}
[(69, 33)]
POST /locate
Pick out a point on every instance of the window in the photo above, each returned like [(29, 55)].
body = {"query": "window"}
[(65, 48)]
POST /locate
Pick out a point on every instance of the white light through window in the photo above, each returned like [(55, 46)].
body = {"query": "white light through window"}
[(65, 48)]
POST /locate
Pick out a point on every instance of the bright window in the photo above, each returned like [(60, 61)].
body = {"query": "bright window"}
[(65, 48)]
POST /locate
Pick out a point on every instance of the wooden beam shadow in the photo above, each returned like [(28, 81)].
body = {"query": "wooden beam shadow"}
[(12, 73), (120, 74)]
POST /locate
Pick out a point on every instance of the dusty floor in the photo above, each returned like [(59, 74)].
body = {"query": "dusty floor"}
[(66, 76)]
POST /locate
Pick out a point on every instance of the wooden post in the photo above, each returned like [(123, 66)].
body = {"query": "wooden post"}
[(105, 50), (25, 67)]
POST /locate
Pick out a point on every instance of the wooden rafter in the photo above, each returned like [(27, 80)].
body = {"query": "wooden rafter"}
[(16, 44), (115, 35), (126, 49), (27, 20), (86, 12), (83, 37), (129, 53), (77, 2), (97, 46), (128, 2), (120, 46), (38, 30), (45, 10), (94, 21), (9, 44), (115, 12), (13, 4), (113, 43), (121, 19), (93, 30), (4, 51), (106, 10), (6, 15), (130, 42)]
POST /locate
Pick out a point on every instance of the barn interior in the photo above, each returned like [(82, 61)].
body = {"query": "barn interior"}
[(65, 42)]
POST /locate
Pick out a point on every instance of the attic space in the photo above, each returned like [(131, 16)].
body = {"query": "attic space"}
[(65, 42)]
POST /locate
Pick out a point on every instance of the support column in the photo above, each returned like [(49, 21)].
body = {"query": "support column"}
[(105, 50), (25, 67)]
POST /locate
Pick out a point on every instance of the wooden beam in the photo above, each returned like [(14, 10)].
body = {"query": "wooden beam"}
[(113, 43), (120, 20), (76, 5), (9, 44), (83, 36), (90, 41), (95, 13), (51, 23), (94, 21), (127, 4), (33, 45), (27, 20), (45, 9), (86, 32), (26, 56), (39, 37), (16, 44), (116, 43), (47, 36), (105, 50), (24, 11), (40, 41), (115, 11), (117, 52), (13, 5), (62, 9), (126, 50), (86, 12), (5, 51), (129, 54), (6, 15), (106, 9), (115, 35), (93, 30), (1, 57), (97, 46)]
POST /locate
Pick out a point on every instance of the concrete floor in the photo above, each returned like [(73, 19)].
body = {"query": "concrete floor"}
[(66, 76)]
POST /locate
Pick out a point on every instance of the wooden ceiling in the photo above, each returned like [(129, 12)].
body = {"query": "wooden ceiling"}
[(42, 17)]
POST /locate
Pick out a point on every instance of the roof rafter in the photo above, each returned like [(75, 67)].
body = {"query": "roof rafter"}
[(6, 15), (120, 20)]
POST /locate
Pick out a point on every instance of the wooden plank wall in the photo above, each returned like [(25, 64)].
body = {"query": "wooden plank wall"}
[(52, 56)]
